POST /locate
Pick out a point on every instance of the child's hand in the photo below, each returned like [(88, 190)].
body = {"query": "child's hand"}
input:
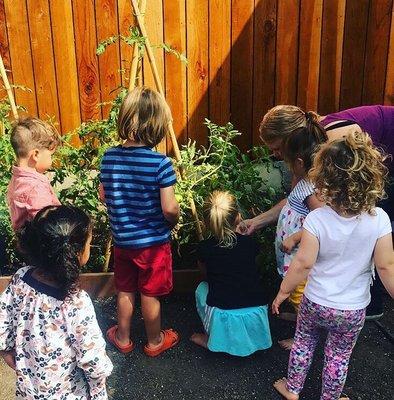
[(9, 358), (288, 245), (279, 299)]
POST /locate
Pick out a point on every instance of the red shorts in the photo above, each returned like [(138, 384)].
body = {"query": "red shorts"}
[(147, 270)]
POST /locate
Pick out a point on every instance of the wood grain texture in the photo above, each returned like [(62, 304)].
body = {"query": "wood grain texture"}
[(309, 54), (197, 71), (65, 62), (219, 60), (20, 52), (87, 63), (109, 61), (376, 51), (287, 52), (264, 62), (242, 14), (4, 48), (355, 36), (331, 55), (389, 86), (175, 70)]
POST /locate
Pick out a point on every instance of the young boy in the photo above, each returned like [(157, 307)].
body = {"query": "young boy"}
[(34, 141), (137, 185)]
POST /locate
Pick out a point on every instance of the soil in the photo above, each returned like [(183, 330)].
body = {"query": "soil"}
[(189, 372)]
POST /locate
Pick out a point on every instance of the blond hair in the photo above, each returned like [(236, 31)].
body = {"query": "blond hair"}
[(281, 120), (144, 117), (30, 133), (349, 174), (220, 214)]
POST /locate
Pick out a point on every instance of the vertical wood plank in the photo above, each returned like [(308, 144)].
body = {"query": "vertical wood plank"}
[(125, 20), (331, 55), (4, 48), (65, 62), (87, 63), (264, 62), (355, 36), (20, 51), (309, 54), (219, 60), (197, 71), (287, 52), (175, 70), (242, 70), (109, 61), (43, 63), (389, 87), (376, 51), (154, 26)]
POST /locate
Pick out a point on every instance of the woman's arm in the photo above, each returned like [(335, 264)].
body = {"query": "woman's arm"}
[(249, 226), (299, 268), (384, 262)]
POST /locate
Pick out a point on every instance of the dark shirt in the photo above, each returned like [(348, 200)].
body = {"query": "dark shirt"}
[(232, 273)]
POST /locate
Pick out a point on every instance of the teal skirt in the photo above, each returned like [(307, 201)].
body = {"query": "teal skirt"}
[(238, 332)]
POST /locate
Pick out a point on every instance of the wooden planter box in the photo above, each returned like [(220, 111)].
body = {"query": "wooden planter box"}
[(101, 284)]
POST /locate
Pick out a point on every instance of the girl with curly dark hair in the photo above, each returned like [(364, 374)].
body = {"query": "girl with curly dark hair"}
[(48, 328), (340, 245)]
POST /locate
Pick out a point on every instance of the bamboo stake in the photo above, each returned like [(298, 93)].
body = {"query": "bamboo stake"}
[(8, 89), (159, 88), (136, 54)]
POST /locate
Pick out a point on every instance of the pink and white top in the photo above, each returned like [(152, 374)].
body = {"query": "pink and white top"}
[(28, 192)]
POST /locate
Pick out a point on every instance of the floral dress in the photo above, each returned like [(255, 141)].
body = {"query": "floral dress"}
[(290, 221), (59, 348)]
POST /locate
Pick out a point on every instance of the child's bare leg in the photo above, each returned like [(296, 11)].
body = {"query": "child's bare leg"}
[(286, 343), (201, 339), (151, 313), (280, 386), (125, 309)]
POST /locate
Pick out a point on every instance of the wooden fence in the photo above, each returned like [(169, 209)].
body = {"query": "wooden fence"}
[(244, 57)]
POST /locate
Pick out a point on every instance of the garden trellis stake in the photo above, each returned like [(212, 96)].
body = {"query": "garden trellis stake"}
[(159, 88), (8, 89)]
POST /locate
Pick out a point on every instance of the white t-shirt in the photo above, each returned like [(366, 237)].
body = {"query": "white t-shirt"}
[(342, 274)]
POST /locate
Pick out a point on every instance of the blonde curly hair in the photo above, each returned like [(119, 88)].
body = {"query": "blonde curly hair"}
[(349, 174)]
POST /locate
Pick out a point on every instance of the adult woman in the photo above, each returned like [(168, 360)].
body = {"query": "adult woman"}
[(377, 121)]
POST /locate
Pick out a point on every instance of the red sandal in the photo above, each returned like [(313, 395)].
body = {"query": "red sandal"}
[(170, 339), (111, 337)]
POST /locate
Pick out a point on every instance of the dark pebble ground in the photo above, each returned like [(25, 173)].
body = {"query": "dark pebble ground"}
[(189, 372)]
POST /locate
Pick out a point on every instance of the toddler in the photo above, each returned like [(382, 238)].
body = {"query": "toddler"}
[(298, 150), (137, 186), (340, 244), (231, 303), (34, 141), (48, 328)]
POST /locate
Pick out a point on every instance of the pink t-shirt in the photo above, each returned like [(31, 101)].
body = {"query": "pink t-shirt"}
[(28, 192)]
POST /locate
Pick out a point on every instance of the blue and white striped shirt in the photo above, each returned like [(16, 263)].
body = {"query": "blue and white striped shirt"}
[(132, 178), (301, 191)]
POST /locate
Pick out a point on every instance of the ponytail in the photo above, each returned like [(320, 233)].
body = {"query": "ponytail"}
[(220, 214), (304, 142), (53, 241)]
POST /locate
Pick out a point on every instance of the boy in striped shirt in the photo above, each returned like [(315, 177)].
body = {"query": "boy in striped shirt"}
[(137, 186)]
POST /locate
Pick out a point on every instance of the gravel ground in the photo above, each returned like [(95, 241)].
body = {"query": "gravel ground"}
[(189, 372)]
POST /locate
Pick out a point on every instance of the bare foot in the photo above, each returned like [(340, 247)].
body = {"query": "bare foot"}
[(287, 316), (280, 386), (286, 343), (201, 339)]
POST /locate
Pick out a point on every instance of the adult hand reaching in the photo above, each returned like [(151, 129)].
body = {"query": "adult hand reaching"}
[(279, 299), (246, 227)]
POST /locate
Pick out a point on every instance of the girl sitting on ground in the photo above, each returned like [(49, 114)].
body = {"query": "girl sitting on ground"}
[(340, 243), (48, 328), (298, 150), (230, 303)]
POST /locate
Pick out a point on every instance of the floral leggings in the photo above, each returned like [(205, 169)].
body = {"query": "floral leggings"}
[(343, 328)]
